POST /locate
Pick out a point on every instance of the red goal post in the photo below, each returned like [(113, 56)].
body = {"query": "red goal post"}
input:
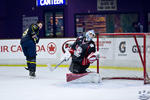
[(137, 64)]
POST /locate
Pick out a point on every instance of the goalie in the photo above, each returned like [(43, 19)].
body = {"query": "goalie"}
[(83, 53)]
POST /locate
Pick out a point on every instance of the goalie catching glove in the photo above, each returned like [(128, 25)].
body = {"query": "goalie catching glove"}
[(93, 57)]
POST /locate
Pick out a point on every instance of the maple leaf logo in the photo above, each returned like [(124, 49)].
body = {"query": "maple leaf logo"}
[(51, 48)]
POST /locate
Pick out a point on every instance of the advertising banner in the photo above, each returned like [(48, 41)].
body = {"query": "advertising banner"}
[(50, 2), (106, 48), (51, 50), (104, 5), (126, 49), (48, 50), (120, 48), (10, 49)]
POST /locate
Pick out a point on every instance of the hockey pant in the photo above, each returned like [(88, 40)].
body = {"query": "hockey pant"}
[(29, 50), (78, 68)]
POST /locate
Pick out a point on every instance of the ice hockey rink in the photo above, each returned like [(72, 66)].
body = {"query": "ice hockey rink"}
[(15, 84)]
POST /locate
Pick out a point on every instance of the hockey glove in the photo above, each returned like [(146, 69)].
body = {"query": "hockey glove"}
[(93, 57), (35, 38), (66, 56)]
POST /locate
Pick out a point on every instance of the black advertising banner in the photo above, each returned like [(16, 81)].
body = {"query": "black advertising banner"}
[(106, 5)]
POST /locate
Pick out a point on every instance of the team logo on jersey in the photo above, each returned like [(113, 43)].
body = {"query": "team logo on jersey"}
[(51, 48), (78, 51)]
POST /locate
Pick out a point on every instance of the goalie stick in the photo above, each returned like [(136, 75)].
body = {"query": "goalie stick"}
[(53, 68)]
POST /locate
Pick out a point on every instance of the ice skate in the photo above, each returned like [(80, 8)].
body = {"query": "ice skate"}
[(32, 74)]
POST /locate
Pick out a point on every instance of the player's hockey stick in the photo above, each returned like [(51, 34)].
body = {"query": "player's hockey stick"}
[(53, 68)]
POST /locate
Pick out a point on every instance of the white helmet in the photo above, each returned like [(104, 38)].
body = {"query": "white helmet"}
[(87, 35)]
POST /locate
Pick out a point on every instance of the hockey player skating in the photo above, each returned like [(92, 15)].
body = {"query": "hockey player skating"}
[(83, 52), (28, 43)]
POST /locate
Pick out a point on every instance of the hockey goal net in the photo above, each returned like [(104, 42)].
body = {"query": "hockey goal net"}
[(124, 56)]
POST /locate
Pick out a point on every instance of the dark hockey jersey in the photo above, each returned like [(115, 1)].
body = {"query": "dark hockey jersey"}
[(29, 32), (82, 49)]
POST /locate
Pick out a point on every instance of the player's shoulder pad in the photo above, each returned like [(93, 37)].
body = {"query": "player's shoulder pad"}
[(34, 26), (79, 38), (92, 42)]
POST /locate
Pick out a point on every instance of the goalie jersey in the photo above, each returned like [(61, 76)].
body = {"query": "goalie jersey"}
[(81, 49), (29, 32)]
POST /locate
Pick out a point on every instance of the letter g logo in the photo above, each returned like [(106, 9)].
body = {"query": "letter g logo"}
[(122, 47)]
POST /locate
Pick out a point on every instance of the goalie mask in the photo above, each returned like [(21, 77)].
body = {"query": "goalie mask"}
[(90, 35)]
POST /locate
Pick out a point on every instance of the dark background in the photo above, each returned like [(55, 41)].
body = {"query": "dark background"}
[(13, 10)]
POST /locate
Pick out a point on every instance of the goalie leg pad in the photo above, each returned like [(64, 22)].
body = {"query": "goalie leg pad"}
[(90, 77)]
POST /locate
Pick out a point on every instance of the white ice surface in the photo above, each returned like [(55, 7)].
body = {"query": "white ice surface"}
[(15, 84)]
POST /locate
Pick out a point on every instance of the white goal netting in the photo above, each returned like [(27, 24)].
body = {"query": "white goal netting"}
[(124, 56)]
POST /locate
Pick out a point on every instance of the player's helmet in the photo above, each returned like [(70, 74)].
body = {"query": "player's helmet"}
[(88, 33)]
